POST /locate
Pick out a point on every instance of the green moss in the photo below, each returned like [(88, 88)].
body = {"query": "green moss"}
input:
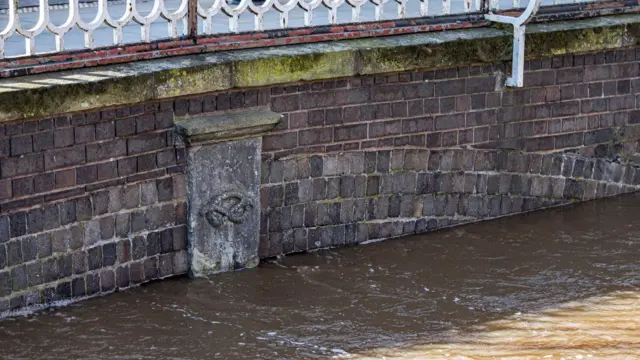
[(451, 53), (187, 81), (78, 97), (276, 70), (580, 40)]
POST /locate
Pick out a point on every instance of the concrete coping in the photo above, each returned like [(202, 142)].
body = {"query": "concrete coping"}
[(90, 89), (225, 126)]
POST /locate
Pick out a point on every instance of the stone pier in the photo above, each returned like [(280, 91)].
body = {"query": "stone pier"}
[(223, 188)]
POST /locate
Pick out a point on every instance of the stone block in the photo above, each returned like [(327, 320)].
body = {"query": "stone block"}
[(29, 247), (19, 278), (64, 264), (91, 232)]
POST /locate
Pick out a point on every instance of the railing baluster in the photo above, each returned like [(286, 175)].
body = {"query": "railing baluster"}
[(424, 7), (192, 18)]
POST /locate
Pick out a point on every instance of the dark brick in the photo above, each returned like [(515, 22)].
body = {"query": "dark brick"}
[(122, 277), (109, 254), (5, 148), (84, 134), (146, 142), (100, 202), (450, 87), (44, 182), (449, 121), (106, 150), (86, 174), (287, 140), (287, 103), (166, 158), (94, 258), (568, 140), (291, 194), (65, 265), (350, 132), (93, 283), (598, 136), (127, 166), (64, 157), (573, 75), (447, 105), (5, 283), (479, 118), (139, 247), (146, 162), (153, 244), (43, 141), (63, 137), (539, 78), (373, 185), (23, 186), (34, 274), (595, 105), (83, 209), (166, 241), (315, 136), (19, 278), (44, 245), (26, 164), (481, 84), (125, 127), (151, 268), (78, 288)]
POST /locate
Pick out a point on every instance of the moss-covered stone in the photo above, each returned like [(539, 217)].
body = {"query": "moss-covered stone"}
[(285, 69), (195, 80), (47, 101)]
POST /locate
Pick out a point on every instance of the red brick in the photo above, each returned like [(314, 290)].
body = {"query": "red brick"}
[(65, 178)]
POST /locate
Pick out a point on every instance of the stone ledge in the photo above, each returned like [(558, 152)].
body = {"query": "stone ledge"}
[(226, 126), (93, 88)]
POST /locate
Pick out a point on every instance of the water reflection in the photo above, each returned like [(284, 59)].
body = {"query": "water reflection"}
[(438, 288)]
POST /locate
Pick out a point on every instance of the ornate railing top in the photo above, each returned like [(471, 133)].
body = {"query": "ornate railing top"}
[(70, 29)]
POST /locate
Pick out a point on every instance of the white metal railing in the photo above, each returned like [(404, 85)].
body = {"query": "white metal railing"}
[(43, 28)]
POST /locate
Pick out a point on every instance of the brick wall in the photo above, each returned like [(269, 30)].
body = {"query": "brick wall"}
[(94, 202), (89, 203)]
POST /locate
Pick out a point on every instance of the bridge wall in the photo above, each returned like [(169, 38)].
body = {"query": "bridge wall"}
[(95, 202)]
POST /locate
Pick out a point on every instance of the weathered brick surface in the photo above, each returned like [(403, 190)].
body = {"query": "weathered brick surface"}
[(70, 190), (94, 202)]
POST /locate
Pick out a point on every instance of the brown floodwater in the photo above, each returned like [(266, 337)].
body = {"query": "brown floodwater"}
[(556, 284)]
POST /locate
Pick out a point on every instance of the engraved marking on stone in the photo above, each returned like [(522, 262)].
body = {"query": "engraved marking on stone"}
[(234, 206)]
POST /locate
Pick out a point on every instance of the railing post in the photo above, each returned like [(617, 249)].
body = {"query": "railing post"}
[(517, 72), (192, 19)]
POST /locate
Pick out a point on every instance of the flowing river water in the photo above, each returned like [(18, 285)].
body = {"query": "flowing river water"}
[(556, 284)]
